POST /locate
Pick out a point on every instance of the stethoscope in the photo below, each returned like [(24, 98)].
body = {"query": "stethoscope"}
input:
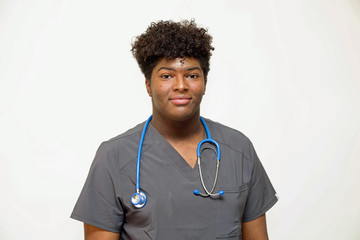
[(139, 198)]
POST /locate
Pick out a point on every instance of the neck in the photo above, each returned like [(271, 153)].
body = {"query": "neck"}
[(178, 130)]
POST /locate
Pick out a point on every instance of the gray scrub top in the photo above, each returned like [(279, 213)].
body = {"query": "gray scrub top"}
[(172, 210)]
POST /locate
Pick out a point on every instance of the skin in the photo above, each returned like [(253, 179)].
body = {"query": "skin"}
[(255, 229), (94, 233), (176, 89)]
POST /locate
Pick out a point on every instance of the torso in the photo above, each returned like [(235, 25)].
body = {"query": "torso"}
[(172, 210)]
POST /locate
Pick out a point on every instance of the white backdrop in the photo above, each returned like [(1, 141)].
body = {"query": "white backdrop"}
[(284, 72)]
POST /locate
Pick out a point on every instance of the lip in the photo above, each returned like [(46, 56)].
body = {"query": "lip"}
[(180, 100)]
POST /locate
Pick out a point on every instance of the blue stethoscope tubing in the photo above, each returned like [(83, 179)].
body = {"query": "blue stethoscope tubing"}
[(139, 198)]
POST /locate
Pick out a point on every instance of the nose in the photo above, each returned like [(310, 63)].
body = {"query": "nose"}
[(180, 84)]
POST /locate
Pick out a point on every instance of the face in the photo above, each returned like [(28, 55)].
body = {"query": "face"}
[(176, 88)]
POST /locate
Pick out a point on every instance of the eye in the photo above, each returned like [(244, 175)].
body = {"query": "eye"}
[(193, 76), (165, 76)]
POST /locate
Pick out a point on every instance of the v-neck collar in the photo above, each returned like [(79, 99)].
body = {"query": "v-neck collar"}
[(173, 155)]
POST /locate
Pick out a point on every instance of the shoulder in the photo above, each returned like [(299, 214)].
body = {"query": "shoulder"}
[(120, 150), (130, 135), (225, 133), (230, 137)]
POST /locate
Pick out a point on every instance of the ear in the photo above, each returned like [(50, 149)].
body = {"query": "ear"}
[(204, 89), (148, 89)]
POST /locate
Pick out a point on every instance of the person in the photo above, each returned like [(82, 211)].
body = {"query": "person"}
[(183, 200)]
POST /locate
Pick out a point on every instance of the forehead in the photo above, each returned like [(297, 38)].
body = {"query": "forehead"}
[(178, 63)]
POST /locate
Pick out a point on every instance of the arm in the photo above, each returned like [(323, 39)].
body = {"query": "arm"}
[(255, 229), (95, 233)]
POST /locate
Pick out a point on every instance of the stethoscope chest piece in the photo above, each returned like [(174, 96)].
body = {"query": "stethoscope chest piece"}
[(139, 199)]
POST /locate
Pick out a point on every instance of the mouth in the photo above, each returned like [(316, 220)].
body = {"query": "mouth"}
[(180, 100)]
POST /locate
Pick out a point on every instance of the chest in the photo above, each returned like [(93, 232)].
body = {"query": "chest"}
[(187, 151), (172, 209)]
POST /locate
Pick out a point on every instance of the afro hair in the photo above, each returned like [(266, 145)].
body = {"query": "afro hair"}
[(170, 40)]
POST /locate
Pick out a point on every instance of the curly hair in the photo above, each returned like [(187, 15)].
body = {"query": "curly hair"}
[(170, 40)]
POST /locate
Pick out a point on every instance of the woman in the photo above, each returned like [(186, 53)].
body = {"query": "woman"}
[(178, 198)]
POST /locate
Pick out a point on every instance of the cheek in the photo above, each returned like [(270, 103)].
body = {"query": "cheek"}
[(159, 93), (200, 89)]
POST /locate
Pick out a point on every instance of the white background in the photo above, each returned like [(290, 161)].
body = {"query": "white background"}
[(284, 72)]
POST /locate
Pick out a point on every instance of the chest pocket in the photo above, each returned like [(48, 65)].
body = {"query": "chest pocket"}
[(229, 211)]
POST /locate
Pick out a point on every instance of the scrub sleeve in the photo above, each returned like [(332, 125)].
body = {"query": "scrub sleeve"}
[(98, 204), (262, 195)]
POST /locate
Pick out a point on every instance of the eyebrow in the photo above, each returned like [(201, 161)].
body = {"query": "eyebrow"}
[(193, 68), (172, 69), (167, 68)]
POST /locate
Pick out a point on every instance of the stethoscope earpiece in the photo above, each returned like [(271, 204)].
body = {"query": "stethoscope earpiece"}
[(214, 195)]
